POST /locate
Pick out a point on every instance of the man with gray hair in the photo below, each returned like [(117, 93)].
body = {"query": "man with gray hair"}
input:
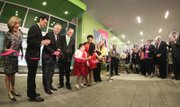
[(175, 45), (161, 54), (49, 55), (114, 60)]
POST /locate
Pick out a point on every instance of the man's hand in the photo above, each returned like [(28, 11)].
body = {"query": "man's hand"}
[(56, 53), (158, 55), (45, 42)]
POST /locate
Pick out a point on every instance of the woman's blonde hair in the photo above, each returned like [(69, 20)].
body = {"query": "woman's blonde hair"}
[(12, 22)]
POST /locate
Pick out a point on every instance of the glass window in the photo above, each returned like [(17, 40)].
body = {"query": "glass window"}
[(12, 10), (32, 18), (74, 27), (53, 21), (50, 29), (1, 4)]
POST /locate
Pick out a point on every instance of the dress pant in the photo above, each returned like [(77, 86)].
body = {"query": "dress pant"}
[(48, 66), (64, 70), (163, 67), (142, 67), (31, 83), (176, 64), (114, 65), (97, 73), (149, 66)]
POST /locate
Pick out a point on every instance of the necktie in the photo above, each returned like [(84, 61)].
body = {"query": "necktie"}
[(67, 40), (55, 37)]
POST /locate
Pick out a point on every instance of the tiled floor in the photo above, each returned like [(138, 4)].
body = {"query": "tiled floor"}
[(127, 90)]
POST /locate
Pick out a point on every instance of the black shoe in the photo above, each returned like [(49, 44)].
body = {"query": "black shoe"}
[(37, 99), (159, 77), (48, 92), (68, 87), (12, 99), (61, 86), (38, 94), (54, 89), (173, 77), (178, 78)]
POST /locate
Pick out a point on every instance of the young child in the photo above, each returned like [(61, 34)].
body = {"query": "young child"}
[(80, 66)]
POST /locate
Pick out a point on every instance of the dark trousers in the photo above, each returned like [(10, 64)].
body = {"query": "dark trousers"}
[(142, 67), (176, 64), (114, 65), (163, 67), (97, 73), (48, 66), (31, 83), (64, 70), (149, 66)]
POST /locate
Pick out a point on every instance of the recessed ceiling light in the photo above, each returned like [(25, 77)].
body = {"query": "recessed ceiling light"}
[(141, 33), (142, 40), (160, 30), (66, 12), (138, 19), (44, 3), (123, 36), (166, 14), (128, 42), (114, 38)]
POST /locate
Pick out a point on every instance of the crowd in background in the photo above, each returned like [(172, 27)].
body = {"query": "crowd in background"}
[(156, 58)]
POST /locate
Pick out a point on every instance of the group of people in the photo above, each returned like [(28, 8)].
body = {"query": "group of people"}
[(56, 48), (158, 57), (88, 58)]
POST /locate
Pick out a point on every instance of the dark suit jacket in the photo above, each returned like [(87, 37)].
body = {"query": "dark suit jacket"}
[(52, 47), (151, 50), (176, 48), (162, 50), (67, 51), (34, 39)]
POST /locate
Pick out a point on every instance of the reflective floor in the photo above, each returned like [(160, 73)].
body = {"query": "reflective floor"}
[(127, 90)]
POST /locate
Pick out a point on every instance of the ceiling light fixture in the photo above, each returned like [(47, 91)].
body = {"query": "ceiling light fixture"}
[(128, 42), (142, 40), (44, 3), (166, 14), (141, 33), (160, 30), (139, 19), (123, 36), (66, 12)]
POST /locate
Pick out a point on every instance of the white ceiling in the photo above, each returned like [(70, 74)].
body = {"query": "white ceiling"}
[(121, 17)]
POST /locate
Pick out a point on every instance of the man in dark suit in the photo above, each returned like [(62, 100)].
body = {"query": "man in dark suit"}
[(67, 48), (161, 54), (114, 55), (175, 44), (34, 42), (49, 56)]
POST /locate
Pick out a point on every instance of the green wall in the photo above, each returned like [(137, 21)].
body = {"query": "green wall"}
[(86, 26)]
